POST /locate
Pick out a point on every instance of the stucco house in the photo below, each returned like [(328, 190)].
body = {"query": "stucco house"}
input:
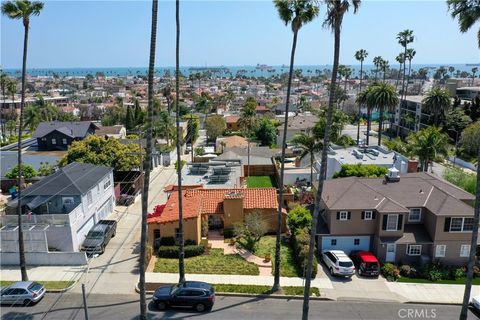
[(59, 210), (222, 208), (415, 218)]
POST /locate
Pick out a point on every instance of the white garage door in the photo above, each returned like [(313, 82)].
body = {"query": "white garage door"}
[(82, 232), (346, 244)]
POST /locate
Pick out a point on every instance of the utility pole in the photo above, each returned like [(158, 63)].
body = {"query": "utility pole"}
[(85, 307)]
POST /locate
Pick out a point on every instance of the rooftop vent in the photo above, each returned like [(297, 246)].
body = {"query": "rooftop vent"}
[(392, 175)]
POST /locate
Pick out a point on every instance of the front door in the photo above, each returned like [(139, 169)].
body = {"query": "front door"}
[(391, 249)]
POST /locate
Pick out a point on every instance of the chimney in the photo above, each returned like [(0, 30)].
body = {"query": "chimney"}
[(412, 166)]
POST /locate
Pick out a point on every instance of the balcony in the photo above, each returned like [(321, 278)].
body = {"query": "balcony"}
[(44, 219)]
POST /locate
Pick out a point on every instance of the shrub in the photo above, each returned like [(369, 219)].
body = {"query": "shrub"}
[(360, 170), (149, 252), (190, 242), (299, 218), (28, 172), (476, 271), (405, 270), (228, 233), (167, 241), (182, 164), (390, 272), (173, 251), (460, 273), (435, 274), (300, 245)]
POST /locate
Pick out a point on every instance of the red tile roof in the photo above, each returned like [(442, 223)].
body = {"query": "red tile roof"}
[(209, 201), (232, 119), (261, 108)]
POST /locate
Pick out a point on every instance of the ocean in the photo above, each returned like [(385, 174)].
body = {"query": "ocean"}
[(218, 71)]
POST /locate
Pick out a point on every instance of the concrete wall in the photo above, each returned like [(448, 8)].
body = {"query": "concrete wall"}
[(45, 258)]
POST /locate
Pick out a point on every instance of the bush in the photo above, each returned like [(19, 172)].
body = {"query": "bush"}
[(300, 245), (173, 251), (460, 273), (405, 270), (345, 141), (167, 241), (28, 172), (149, 253), (228, 233), (299, 218), (190, 242), (390, 272), (360, 170), (435, 274), (182, 164)]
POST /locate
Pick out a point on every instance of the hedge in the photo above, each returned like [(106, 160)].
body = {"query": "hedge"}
[(300, 246), (173, 251), (167, 241)]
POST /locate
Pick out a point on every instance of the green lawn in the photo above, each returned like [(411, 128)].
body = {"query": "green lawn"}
[(476, 281), (260, 182), (239, 288), (49, 285), (215, 262), (288, 266)]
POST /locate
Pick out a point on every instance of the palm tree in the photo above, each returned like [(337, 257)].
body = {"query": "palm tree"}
[(296, 13), (3, 88), (437, 102), (22, 9), (12, 89), (400, 58), (384, 66), (409, 56), (474, 72), (147, 162), (404, 38), (163, 126), (360, 55), (384, 96), (377, 61), (468, 14), (32, 118), (309, 145), (451, 70), (428, 144), (181, 252), (167, 93), (362, 100), (335, 12)]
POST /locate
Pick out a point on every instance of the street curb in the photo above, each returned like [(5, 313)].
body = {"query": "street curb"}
[(247, 295), (62, 290), (435, 303), (356, 299)]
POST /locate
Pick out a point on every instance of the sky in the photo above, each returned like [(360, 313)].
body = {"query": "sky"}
[(230, 33)]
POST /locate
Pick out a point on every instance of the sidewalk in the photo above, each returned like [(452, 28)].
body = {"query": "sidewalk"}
[(151, 277), (12, 273)]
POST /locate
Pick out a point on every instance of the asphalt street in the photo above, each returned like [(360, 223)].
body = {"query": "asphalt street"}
[(68, 306)]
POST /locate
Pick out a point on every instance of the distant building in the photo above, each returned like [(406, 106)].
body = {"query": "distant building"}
[(58, 135), (232, 123), (297, 124), (468, 93), (117, 131), (9, 104)]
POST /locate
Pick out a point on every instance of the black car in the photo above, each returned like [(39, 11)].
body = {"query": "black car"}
[(196, 294)]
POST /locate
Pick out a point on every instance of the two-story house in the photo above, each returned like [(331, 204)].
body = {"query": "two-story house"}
[(64, 205), (57, 135), (410, 219)]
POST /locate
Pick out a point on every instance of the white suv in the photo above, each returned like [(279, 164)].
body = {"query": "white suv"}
[(338, 263)]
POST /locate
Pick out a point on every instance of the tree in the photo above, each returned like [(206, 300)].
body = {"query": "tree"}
[(474, 72), (409, 56), (456, 121), (385, 97), (360, 55), (28, 172), (437, 102), (204, 103), (147, 162), (250, 231), (404, 38), (164, 126), (139, 115), (299, 218), (296, 13), (428, 144), (32, 118), (377, 61), (45, 169), (12, 88), (334, 18), (309, 145), (266, 132), (167, 93), (361, 170), (129, 120), (362, 99), (248, 115), (339, 120), (22, 9), (400, 58), (104, 152), (384, 66), (467, 13), (471, 137), (215, 126)]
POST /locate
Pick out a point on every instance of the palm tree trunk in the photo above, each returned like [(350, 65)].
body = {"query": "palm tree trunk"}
[(311, 168), (369, 124), (380, 126), (181, 254), (276, 281), (359, 105), (21, 244), (403, 89), (398, 77), (473, 247), (147, 163), (408, 76), (323, 170)]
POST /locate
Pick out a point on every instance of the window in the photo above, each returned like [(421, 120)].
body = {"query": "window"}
[(54, 141), (414, 249), (440, 250), (156, 233), (106, 184), (368, 215), (356, 242), (64, 141), (333, 242), (89, 198), (343, 215), (392, 222), (415, 215), (464, 250), (461, 224)]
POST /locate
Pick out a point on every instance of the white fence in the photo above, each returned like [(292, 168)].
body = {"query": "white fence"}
[(45, 258)]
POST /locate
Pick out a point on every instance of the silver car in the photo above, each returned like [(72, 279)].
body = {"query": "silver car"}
[(23, 292)]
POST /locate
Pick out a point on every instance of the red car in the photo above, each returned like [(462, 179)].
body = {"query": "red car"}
[(366, 262)]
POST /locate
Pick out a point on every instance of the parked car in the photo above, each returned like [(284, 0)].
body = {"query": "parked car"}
[(196, 294), (338, 263), (23, 292), (99, 236), (188, 148), (475, 302), (366, 263)]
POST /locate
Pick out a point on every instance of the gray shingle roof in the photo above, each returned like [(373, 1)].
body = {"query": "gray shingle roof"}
[(74, 179), (78, 129)]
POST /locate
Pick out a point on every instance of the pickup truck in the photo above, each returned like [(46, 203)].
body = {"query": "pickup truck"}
[(99, 236)]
